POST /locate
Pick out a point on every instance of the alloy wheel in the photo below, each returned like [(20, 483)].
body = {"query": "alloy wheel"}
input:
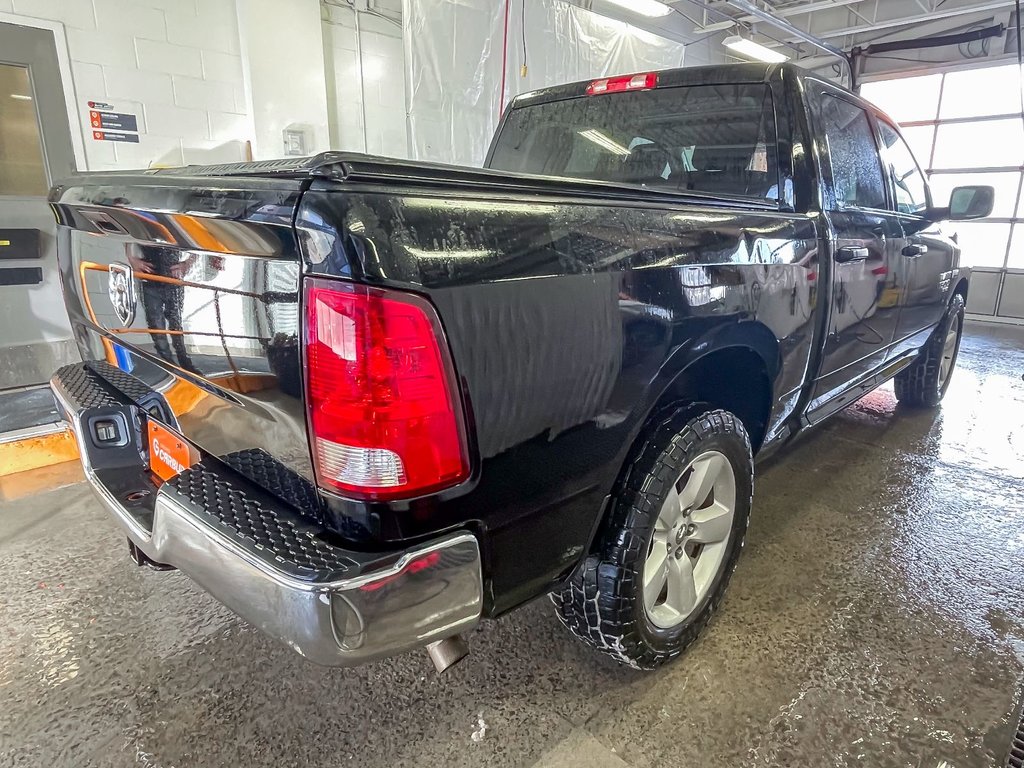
[(690, 540)]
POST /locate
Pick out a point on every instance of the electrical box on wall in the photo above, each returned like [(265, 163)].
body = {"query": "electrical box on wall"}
[(298, 139)]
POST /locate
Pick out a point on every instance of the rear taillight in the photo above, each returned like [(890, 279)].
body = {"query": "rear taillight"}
[(642, 82), (384, 409)]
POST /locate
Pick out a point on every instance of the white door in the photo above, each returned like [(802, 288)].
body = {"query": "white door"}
[(35, 151)]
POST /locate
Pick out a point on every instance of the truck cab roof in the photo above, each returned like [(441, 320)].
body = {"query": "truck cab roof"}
[(709, 75)]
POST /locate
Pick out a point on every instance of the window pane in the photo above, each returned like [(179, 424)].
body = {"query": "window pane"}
[(1016, 260), (978, 92), (907, 179), (21, 151), (988, 144), (982, 244), (907, 99), (1005, 185), (707, 138), (856, 170), (920, 139)]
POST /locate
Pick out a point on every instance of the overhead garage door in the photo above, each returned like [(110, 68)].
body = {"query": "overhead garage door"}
[(967, 127)]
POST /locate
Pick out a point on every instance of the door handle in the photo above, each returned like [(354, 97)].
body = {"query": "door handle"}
[(851, 253), (915, 249)]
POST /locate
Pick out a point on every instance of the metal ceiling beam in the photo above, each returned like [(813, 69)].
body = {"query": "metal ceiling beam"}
[(776, 21), (801, 9), (941, 13), (780, 12)]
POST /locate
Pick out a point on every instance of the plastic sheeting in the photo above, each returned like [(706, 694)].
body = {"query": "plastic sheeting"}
[(463, 65)]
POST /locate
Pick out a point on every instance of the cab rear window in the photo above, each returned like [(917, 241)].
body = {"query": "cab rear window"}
[(719, 139)]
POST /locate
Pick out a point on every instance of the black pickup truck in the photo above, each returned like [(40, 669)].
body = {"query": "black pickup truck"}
[(367, 403)]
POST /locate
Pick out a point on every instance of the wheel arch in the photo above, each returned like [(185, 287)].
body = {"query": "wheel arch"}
[(734, 370), (960, 289)]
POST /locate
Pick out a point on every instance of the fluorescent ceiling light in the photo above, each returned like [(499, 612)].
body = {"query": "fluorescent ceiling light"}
[(21, 97), (484, 206), (753, 50), (442, 254), (643, 7), (604, 142)]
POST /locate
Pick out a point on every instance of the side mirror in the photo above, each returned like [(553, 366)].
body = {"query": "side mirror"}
[(969, 203)]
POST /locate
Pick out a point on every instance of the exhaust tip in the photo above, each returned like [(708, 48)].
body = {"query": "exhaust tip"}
[(446, 653)]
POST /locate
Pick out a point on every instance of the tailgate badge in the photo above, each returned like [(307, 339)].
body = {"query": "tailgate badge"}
[(122, 292)]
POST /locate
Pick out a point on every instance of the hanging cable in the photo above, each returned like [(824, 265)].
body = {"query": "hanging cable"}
[(1020, 43), (522, 24), (1020, 62), (967, 49), (504, 62)]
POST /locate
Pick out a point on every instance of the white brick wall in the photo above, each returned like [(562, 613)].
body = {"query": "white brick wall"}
[(157, 56), (224, 67), (174, 63), (122, 17), (383, 84), (213, 26), (74, 13)]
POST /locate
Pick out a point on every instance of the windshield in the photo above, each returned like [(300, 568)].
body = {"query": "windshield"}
[(719, 139)]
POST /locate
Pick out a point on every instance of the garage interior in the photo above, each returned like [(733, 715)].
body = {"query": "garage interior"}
[(877, 615)]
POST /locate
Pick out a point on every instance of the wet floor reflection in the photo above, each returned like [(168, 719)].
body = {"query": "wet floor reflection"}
[(876, 618)]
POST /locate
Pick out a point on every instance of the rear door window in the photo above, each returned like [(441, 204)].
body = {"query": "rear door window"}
[(719, 139)]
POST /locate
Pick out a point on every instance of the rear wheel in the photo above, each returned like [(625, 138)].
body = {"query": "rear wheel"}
[(675, 530), (924, 383)]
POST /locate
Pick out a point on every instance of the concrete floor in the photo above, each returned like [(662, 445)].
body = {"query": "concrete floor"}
[(876, 619)]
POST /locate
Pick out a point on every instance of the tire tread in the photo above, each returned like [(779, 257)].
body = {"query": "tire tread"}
[(596, 604), (917, 386)]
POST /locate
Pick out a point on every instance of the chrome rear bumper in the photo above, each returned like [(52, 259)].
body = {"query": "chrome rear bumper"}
[(273, 566)]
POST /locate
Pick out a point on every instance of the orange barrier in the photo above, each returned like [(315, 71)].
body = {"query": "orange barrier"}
[(33, 481), (34, 452)]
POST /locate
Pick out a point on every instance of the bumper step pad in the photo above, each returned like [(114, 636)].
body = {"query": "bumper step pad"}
[(271, 475), (260, 524)]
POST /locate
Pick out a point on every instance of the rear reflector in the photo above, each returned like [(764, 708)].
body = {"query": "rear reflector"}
[(624, 83), (384, 411)]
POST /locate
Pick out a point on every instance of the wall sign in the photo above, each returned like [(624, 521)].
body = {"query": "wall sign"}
[(110, 125), (132, 138), (120, 121)]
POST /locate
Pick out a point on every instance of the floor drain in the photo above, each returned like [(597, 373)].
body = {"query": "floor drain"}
[(1015, 757)]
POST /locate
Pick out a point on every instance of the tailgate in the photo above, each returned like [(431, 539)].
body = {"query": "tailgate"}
[(189, 284)]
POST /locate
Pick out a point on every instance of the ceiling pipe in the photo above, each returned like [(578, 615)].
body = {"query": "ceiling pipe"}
[(807, 37), (799, 10), (939, 41), (937, 15), (859, 55)]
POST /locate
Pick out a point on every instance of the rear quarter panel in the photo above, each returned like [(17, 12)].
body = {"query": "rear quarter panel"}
[(567, 320)]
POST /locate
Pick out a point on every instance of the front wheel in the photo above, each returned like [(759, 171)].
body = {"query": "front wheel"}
[(924, 383), (675, 530)]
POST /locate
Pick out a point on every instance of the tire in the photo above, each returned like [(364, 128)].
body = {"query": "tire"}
[(603, 603), (924, 383)]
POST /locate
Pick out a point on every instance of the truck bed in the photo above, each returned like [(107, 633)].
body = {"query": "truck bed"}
[(567, 306)]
